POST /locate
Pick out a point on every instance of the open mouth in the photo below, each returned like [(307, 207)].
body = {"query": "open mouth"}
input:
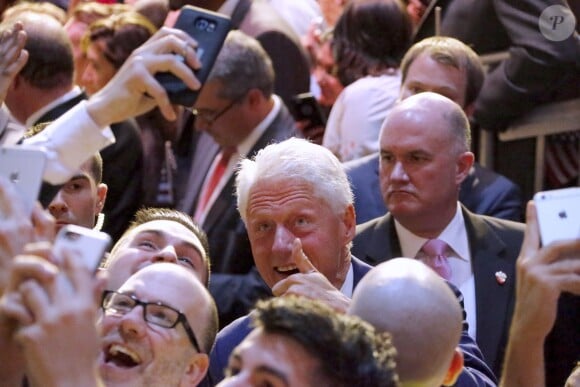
[(121, 356), (287, 270)]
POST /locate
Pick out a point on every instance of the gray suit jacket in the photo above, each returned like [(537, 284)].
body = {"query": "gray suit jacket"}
[(494, 246)]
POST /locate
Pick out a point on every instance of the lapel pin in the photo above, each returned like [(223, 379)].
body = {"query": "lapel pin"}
[(500, 277)]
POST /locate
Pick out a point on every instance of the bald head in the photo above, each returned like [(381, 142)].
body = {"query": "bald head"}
[(431, 109), (407, 299), (181, 289)]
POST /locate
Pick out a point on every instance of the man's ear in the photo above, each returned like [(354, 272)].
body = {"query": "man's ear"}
[(196, 370), (349, 220), (455, 368), (464, 163), (102, 190)]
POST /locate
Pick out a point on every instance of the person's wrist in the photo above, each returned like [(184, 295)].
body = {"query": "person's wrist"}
[(98, 110)]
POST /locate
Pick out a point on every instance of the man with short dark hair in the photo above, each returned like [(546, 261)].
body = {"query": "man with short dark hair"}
[(302, 342)]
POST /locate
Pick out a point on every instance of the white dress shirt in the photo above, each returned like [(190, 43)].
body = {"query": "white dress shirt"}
[(459, 258)]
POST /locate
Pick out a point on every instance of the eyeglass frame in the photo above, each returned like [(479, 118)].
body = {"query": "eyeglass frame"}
[(181, 318), (215, 116)]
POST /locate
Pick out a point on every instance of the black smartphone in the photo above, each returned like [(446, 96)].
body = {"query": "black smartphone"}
[(209, 29), (304, 106)]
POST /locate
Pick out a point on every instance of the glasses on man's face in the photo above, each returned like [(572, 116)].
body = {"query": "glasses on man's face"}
[(119, 304), (210, 117)]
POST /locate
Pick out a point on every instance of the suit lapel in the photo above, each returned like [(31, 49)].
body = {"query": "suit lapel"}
[(277, 131), (205, 151), (492, 298), (384, 243), (59, 110)]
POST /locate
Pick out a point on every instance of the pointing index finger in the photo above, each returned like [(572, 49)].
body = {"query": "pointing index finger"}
[(302, 262)]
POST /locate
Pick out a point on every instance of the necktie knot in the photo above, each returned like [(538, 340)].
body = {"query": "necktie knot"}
[(435, 256)]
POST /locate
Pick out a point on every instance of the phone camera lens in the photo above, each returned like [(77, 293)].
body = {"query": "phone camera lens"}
[(201, 24)]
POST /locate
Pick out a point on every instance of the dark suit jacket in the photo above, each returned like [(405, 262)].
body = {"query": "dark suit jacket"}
[(494, 246), (476, 372), (229, 246), (483, 191), (259, 20)]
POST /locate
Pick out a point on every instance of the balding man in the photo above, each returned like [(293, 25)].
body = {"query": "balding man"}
[(155, 330), (426, 327), (424, 151)]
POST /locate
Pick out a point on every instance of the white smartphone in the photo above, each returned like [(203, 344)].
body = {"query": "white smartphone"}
[(90, 245), (558, 214), (24, 167)]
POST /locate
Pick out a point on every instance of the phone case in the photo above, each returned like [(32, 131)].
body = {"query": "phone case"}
[(24, 167), (88, 244), (209, 29), (305, 107), (558, 214)]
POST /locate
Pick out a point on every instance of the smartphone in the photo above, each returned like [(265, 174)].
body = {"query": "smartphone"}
[(558, 214), (209, 29), (88, 244), (24, 167), (305, 107)]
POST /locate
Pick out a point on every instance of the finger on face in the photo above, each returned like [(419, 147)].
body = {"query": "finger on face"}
[(302, 262)]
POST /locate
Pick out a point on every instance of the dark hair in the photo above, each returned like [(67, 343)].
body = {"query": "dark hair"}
[(370, 37), (145, 215), (349, 350), (122, 33), (450, 52)]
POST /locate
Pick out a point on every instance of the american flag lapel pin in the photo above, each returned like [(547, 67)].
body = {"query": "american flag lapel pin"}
[(500, 277)]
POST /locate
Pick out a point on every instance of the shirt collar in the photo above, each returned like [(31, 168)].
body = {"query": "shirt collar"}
[(454, 235), (348, 284), (245, 146), (30, 121)]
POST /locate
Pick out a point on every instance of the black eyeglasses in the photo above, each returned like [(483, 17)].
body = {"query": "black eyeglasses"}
[(211, 117), (119, 304)]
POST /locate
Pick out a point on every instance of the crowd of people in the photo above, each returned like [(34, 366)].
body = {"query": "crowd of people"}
[(252, 247)]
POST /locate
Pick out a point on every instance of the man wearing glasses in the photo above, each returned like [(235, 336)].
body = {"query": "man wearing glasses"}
[(237, 115), (156, 330)]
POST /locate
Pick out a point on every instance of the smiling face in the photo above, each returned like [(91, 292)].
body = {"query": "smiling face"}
[(155, 241), (265, 359), (138, 353), (280, 210)]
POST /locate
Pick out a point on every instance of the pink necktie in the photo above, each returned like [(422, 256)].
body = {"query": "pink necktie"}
[(223, 159), (436, 258)]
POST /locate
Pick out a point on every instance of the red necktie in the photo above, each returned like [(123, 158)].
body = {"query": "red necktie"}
[(220, 166), (436, 258)]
